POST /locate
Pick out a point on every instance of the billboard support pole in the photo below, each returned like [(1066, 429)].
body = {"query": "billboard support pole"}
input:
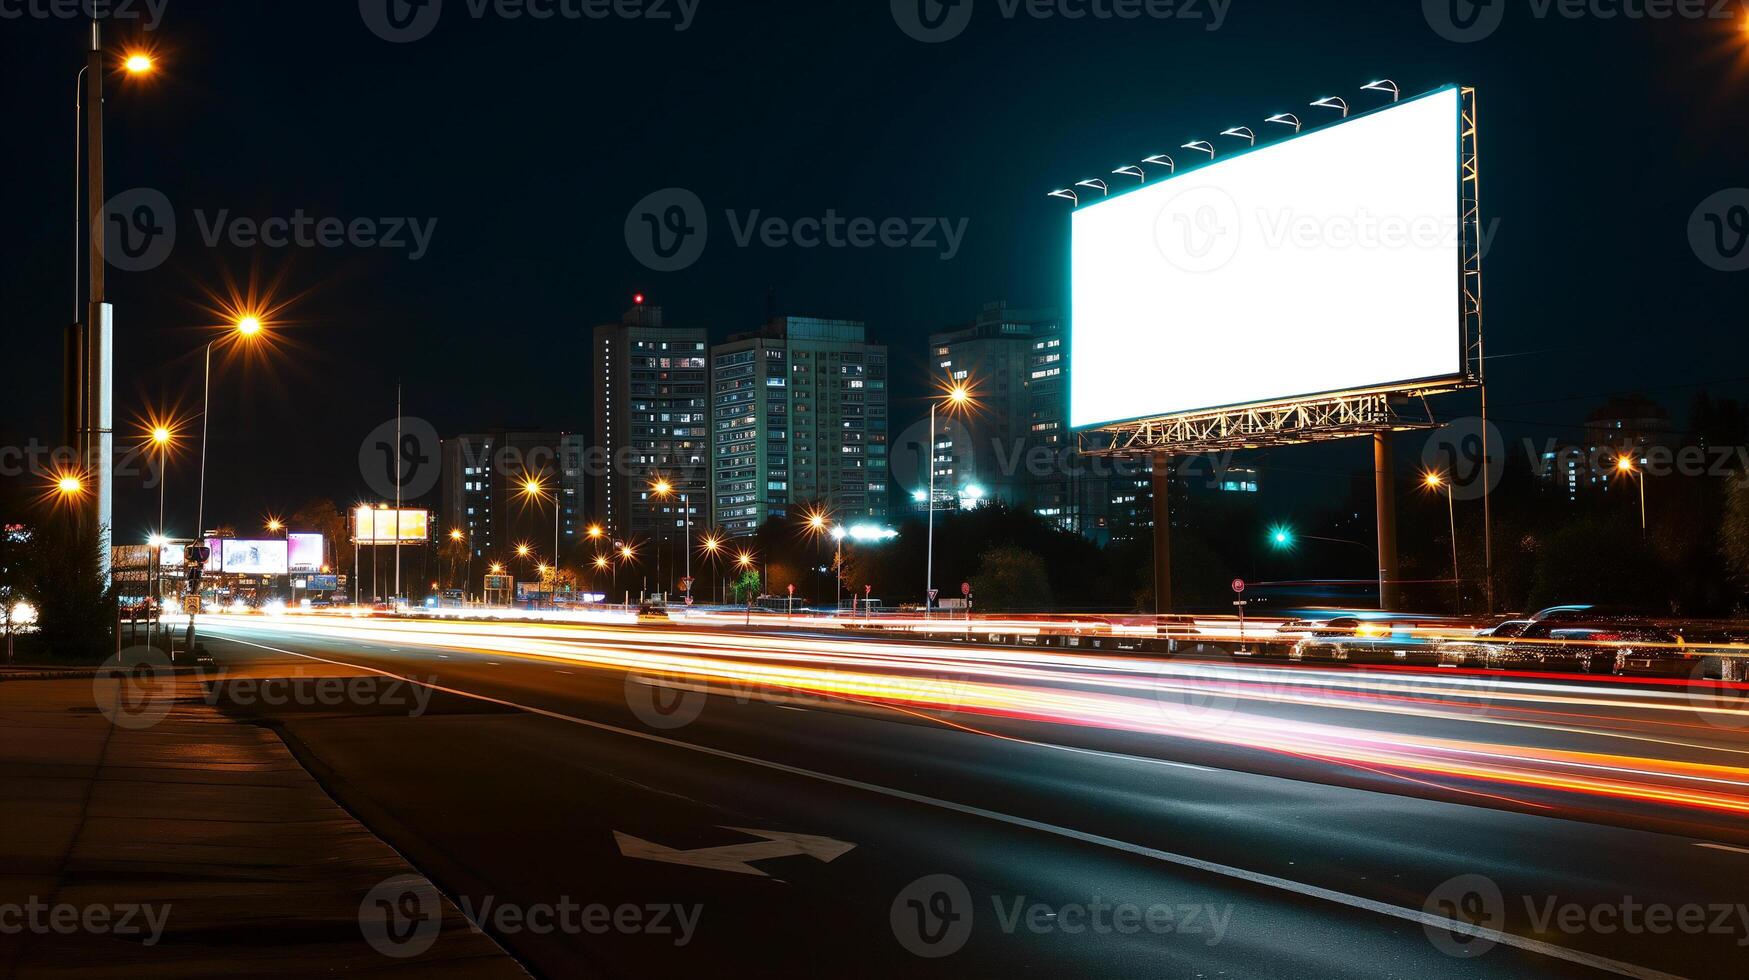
[(1385, 487), (1162, 486)]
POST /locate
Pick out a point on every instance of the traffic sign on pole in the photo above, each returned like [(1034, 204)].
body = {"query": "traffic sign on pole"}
[(1238, 586)]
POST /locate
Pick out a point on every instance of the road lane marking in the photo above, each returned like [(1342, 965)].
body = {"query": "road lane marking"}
[(738, 858), (1422, 918)]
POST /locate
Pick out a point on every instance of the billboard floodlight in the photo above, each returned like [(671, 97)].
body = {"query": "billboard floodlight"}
[(1133, 171), (1243, 132), (1203, 145), (1332, 102), (1162, 160), (1066, 194), (1095, 183), (1384, 85), (1285, 119)]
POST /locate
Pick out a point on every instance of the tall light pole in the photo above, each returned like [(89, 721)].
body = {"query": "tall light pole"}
[(817, 527), (1437, 481), (90, 403), (958, 397), (1625, 466), (534, 489), (161, 436), (247, 328)]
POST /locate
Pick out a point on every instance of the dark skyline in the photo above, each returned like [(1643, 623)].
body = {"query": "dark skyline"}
[(528, 142)]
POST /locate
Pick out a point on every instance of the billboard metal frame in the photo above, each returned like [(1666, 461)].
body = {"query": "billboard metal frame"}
[(1341, 415)]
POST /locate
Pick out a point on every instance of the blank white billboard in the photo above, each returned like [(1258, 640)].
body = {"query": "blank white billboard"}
[(254, 557), (1321, 263)]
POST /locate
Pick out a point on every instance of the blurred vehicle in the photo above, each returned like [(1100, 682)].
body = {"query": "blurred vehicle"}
[(1350, 639), (1709, 655), (1570, 639), (1473, 652)]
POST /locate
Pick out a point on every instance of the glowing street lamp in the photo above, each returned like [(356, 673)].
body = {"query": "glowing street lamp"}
[(958, 397), (139, 63), (275, 525), (1625, 466), (68, 485), (1437, 481), (534, 489), (664, 490)]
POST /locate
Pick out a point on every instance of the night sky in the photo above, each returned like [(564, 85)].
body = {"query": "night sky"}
[(529, 141)]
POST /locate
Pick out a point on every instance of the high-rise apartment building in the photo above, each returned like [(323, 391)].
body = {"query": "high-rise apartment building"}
[(652, 393), (799, 417), (484, 480)]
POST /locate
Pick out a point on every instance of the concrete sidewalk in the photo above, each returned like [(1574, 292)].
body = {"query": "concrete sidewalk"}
[(181, 843)]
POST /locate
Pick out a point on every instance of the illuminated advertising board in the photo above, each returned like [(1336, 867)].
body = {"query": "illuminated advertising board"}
[(305, 552), (253, 557), (373, 526), (1316, 264)]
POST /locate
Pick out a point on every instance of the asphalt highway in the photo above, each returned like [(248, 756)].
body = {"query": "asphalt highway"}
[(782, 803)]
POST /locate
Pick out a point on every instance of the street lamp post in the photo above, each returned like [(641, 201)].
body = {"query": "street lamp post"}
[(162, 436), (957, 396), (90, 348), (1436, 481), (248, 327), (1625, 466)]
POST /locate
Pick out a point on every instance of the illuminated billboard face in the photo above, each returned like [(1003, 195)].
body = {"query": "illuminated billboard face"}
[(306, 552), (254, 557), (372, 526), (1322, 263)]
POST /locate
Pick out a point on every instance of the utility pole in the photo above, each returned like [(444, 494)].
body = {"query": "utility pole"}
[(95, 388)]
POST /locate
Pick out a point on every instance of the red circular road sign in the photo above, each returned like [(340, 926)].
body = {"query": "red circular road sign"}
[(792, 590), (965, 588), (1239, 586)]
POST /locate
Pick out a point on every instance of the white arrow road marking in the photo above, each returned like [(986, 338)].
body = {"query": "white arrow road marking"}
[(736, 857)]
